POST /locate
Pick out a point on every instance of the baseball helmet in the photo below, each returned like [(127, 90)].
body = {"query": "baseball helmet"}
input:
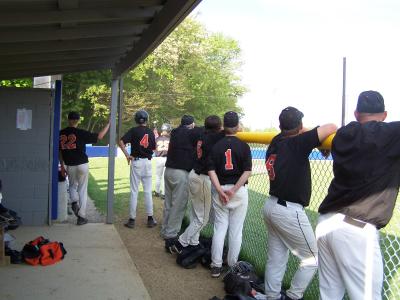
[(166, 127), (141, 116)]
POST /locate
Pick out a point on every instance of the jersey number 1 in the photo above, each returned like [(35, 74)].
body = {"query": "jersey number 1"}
[(228, 160), (144, 142), (270, 166)]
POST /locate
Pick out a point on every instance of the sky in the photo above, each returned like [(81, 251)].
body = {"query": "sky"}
[(292, 53)]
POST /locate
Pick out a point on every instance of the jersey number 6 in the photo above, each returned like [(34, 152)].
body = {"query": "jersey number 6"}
[(270, 166), (144, 142), (228, 160)]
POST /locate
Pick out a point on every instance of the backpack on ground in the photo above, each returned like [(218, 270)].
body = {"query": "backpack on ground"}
[(241, 278), (42, 251), (189, 257)]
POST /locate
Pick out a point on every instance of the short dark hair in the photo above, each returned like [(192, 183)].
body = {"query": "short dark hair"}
[(212, 123), (73, 115)]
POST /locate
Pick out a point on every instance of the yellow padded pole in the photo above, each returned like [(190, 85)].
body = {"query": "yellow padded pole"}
[(266, 138)]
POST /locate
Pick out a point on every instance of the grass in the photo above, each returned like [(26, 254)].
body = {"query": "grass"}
[(254, 235)]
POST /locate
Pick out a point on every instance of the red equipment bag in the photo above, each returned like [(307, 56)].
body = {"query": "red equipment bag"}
[(42, 251)]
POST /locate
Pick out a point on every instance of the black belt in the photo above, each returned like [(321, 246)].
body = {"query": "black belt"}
[(351, 221), (281, 202), (137, 158)]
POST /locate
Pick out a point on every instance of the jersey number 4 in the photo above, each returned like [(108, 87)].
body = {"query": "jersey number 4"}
[(68, 142), (270, 166), (228, 160), (144, 142)]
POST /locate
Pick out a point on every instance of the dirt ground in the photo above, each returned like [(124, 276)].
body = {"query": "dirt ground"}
[(164, 279)]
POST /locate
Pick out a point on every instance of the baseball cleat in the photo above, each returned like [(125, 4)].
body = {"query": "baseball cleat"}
[(81, 221), (130, 223), (215, 272)]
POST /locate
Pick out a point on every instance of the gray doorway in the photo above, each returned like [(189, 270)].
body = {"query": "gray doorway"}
[(25, 154)]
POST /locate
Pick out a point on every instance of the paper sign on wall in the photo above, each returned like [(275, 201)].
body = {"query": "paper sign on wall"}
[(24, 119)]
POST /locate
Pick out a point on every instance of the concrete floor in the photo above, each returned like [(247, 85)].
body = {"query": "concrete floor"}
[(97, 266)]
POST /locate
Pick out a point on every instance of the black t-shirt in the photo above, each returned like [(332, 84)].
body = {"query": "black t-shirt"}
[(230, 158), (204, 146), (366, 167), (182, 148), (73, 145), (142, 141), (162, 143), (289, 168)]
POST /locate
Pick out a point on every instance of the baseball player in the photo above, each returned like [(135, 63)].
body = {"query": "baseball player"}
[(74, 162), (162, 143), (290, 191), (142, 143), (229, 166), (200, 185), (180, 161), (360, 201)]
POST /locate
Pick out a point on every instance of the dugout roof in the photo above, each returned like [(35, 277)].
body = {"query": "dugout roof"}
[(48, 37)]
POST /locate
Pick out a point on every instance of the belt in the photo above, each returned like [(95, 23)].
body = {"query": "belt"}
[(137, 158), (281, 202), (351, 221)]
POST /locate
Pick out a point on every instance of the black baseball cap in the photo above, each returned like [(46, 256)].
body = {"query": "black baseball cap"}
[(231, 119), (73, 115), (187, 120), (290, 118), (370, 102)]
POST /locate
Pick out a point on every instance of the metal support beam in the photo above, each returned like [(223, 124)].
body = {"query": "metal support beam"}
[(111, 151), (120, 106), (125, 42)]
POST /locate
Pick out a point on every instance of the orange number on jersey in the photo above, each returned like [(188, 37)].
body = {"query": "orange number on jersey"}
[(68, 142), (228, 160), (199, 150), (270, 166), (144, 142)]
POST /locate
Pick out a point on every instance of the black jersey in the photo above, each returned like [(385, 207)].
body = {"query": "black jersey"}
[(366, 167), (182, 148), (204, 146), (73, 145), (162, 144), (289, 168), (230, 158), (142, 141)]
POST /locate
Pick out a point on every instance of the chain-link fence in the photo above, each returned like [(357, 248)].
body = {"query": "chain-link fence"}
[(254, 247)]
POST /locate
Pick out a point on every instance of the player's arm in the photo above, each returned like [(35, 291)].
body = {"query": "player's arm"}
[(241, 182), (214, 180), (326, 130), (103, 132), (61, 159), (122, 145)]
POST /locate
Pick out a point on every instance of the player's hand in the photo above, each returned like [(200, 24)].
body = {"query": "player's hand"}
[(230, 193), (325, 153), (129, 158), (63, 172), (223, 197)]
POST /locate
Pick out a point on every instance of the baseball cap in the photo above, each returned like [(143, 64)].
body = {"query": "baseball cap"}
[(231, 119), (290, 118), (73, 115), (187, 120), (370, 102)]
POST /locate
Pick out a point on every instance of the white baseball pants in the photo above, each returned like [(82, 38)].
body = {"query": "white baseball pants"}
[(78, 177), (288, 229), (176, 198), (141, 172), (200, 197), (349, 259), (228, 217), (160, 167)]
